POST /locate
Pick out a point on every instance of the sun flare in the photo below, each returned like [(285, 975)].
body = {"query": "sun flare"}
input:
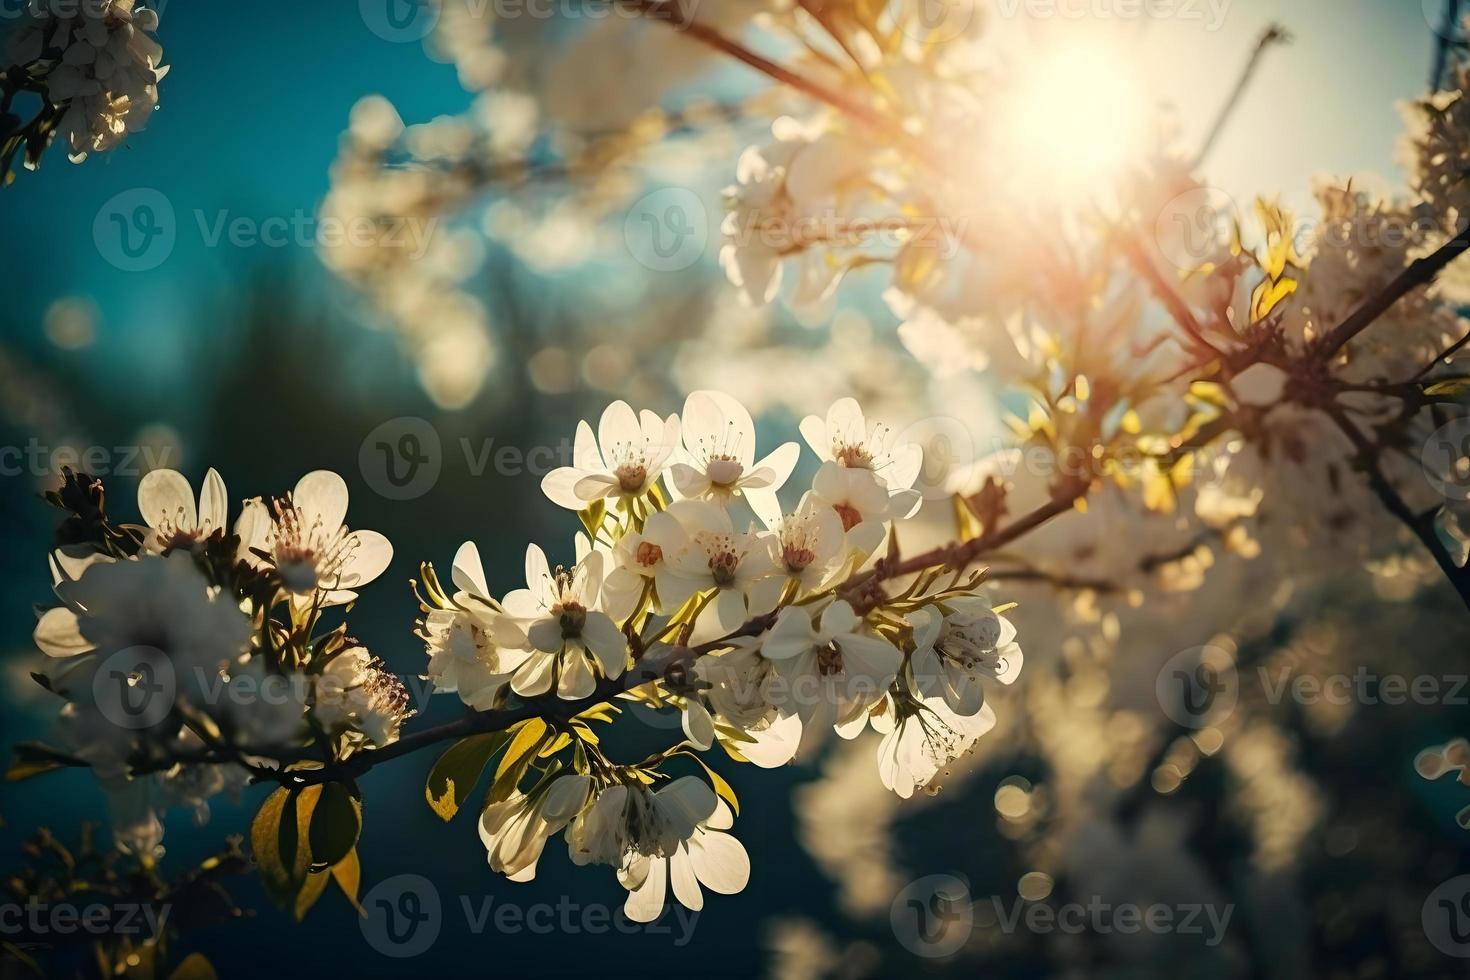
[(1073, 122)]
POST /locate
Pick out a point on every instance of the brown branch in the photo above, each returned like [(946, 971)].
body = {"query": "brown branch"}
[(960, 554), (1420, 273), (1421, 524)]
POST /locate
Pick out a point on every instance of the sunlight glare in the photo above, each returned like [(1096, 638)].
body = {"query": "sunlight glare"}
[(1074, 122)]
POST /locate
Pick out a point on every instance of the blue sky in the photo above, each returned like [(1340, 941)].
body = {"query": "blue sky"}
[(258, 94)]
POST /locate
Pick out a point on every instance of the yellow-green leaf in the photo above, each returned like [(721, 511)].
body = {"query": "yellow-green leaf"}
[(312, 889), (458, 770), (348, 875), (517, 759)]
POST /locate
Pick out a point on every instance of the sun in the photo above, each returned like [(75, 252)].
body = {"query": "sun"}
[(1072, 121)]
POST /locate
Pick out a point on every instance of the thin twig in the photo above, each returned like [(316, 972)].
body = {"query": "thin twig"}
[(1421, 524), (1273, 34), (1419, 273)]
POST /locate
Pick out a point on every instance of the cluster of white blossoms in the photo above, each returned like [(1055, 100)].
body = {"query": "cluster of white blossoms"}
[(768, 628), (1192, 355), (189, 651), (97, 66)]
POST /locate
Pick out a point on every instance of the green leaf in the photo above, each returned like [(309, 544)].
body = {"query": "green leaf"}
[(33, 759), (458, 770), (336, 823)]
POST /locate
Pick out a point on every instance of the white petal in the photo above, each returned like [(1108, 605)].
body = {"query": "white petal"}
[(320, 498), (538, 572), (59, 634), (781, 462), (618, 425), (533, 678), (560, 487), (720, 862), (370, 556), (607, 643), (686, 884), (214, 501), (647, 901), (699, 727), (469, 571), (814, 431), (577, 680), (165, 496)]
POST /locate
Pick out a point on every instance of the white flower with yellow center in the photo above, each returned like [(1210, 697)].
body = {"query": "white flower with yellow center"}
[(641, 558), (464, 658), (356, 692), (928, 737), (743, 692), (832, 671), (717, 460), (557, 621), (655, 839), (808, 546), (957, 645), (158, 602), (106, 79), (514, 831), (166, 504), (303, 538), (625, 458), (862, 504), (736, 567), (848, 439)]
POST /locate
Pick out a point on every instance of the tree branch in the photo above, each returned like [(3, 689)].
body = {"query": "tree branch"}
[(1420, 273)]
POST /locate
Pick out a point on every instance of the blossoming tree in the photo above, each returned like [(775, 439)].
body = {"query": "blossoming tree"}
[(1214, 384)]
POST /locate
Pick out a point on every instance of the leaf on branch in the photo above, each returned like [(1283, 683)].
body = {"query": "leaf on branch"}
[(1448, 387), (282, 836), (312, 889), (458, 770), (348, 875), (518, 758), (33, 759), (336, 823)]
